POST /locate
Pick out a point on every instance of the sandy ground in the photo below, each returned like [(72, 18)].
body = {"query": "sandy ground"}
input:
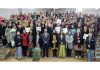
[(50, 59)]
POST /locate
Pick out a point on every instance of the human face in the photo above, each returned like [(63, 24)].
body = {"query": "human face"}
[(18, 33), (24, 31), (69, 33), (45, 30)]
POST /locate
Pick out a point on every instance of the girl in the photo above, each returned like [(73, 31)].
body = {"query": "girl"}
[(18, 42)]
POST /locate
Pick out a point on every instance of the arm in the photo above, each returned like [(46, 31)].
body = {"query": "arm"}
[(71, 39)]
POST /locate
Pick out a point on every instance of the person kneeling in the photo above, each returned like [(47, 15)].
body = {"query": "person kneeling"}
[(36, 53)]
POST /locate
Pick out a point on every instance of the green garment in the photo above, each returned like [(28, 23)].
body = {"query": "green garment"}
[(36, 55), (62, 52)]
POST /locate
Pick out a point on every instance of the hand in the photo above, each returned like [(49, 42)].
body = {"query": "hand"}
[(78, 41), (30, 42), (52, 41), (89, 46), (19, 43), (45, 42), (56, 41), (68, 42)]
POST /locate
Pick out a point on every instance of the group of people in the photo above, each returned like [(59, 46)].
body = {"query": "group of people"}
[(58, 32)]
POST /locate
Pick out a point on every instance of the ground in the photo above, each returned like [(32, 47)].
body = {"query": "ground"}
[(27, 59), (50, 59)]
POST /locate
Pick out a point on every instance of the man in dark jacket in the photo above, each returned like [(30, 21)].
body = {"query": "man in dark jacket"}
[(90, 44), (45, 40)]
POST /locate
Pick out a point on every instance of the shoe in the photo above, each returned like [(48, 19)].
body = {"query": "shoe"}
[(76, 57), (19, 58)]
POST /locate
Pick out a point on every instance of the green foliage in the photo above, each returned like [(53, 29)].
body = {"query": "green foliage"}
[(36, 55)]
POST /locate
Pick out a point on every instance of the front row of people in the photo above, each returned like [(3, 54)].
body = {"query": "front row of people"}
[(61, 44)]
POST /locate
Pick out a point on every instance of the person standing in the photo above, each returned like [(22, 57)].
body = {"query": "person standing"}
[(30, 45), (78, 42), (69, 44), (61, 41), (7, 34), (24, 36), (90, 44), (12, 36), (4, 40), (18, 42), (45, 40), (54, 39)]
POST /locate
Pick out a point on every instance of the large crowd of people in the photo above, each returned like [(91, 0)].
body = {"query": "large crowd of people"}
[(60, 32)]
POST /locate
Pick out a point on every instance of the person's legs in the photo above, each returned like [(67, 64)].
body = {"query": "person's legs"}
[(89, 55), (20, 52), (63, 51), (92, 55), (67, 52), (80, 54), (43, 50), (46, 50), (76, 51), (70, 52), (16, 52), (24, 51), (54, 53), (26, 48)]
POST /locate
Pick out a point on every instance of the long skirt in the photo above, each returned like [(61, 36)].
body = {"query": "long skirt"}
[(19, 51), (62, 52)]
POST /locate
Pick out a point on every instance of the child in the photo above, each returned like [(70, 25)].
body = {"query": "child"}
[(30, 45), (18, 41), (36, 53)]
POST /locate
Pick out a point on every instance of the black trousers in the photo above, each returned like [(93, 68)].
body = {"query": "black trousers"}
[(69, 52), (24, 50), (78, 53), (45, 50), (4, 41), (55, 53)]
